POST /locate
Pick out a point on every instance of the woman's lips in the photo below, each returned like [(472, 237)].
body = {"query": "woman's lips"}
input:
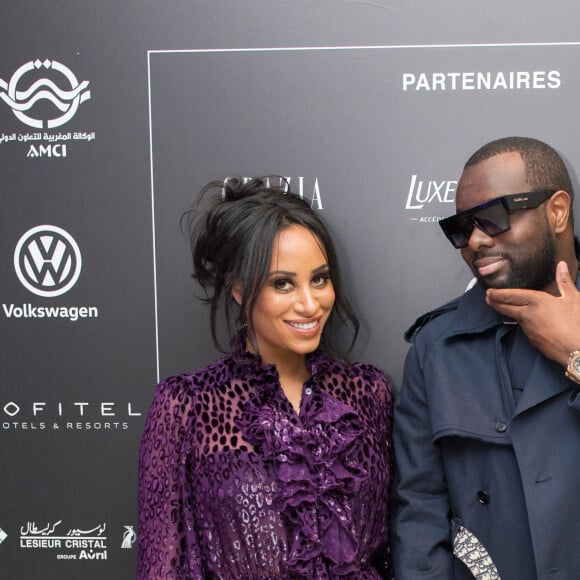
[(305, 328)]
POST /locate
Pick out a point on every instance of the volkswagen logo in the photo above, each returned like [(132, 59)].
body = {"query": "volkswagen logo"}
[(47, 261)]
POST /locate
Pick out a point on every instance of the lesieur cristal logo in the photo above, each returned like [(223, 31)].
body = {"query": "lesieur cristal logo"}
[(34, 84), (47, 261)]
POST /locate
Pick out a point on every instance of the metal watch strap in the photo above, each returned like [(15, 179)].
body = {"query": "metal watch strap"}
[(571, 373)]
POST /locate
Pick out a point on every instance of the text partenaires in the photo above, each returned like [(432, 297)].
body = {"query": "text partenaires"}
[(478, 81)]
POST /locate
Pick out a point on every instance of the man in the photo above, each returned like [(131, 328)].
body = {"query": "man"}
[(487, 423)]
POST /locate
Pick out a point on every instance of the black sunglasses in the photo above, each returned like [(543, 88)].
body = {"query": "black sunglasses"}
[(491, 217)]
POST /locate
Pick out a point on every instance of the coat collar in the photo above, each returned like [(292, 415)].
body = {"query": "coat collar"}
[(474, 316)]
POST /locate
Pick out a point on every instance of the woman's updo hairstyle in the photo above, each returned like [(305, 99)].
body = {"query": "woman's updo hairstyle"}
[(232, 228)]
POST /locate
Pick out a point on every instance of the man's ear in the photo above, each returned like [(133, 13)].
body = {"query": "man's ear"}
[(237, 292), (559, 206)]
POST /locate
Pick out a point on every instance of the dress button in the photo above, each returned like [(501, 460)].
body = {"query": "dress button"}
[(483, 497), (308, 390), (501, 426)]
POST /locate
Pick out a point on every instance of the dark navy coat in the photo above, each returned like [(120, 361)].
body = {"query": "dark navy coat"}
[(467, 454)]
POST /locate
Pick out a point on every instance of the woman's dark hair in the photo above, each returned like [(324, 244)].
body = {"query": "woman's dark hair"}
[(232, 228)]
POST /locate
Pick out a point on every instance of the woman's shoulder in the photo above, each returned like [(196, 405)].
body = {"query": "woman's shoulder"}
[(369, 374), (374, 380), (200, 379), (177, 394)]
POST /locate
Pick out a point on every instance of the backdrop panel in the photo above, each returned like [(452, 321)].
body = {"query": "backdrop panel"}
[(348, 127), (114, 115)]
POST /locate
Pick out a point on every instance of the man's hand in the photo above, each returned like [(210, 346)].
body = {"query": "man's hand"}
[(552, 323)]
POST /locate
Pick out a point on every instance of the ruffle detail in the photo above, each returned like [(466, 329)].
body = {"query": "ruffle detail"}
[(315, 465)]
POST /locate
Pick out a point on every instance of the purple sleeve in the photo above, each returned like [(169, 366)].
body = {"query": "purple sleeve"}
[(167, 540), (382, 390), (383, 394), (385, 397)]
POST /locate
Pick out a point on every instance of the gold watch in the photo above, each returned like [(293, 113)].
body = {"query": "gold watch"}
[(573, 368)]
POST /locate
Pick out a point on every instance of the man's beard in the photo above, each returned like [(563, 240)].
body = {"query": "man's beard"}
[(534, 271)]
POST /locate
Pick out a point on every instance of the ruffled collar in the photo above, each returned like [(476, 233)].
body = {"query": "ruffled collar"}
[(314, 463), (317, 362)]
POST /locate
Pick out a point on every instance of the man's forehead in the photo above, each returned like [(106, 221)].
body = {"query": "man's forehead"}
[(500, 175)]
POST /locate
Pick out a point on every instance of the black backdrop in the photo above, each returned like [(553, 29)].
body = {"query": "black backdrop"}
[(114, 114)]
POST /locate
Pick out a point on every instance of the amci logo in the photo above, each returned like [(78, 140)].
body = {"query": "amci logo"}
[(47, 261), (58, 150), (27, 89)]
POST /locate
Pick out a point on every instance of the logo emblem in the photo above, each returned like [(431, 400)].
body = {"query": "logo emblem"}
[(50, 150), (3, 535), (22, 96), (129, 537), (47, 261)]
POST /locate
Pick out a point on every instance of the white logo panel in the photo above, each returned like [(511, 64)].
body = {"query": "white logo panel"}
[(23, 99), (47, 261)]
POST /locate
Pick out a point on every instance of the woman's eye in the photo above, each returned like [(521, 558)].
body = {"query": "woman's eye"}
[(282, 285), (320, 280)]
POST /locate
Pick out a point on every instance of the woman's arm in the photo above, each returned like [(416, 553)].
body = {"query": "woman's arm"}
[(167, 539)]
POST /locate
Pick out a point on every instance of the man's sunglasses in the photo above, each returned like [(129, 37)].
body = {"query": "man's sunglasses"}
[(491, 217)]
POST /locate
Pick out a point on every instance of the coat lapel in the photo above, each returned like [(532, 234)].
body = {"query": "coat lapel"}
[(545, 380), (474, 316)]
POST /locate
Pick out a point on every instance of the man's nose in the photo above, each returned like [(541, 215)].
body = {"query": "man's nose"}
[(478, 238)]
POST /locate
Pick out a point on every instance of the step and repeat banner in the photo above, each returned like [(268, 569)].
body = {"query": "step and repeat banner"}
[(105, 139)]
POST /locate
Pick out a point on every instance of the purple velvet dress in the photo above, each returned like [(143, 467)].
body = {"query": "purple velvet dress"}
[(234, 484)]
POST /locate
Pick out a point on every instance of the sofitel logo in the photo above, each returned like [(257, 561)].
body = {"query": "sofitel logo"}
[(47, 261), (102, 416), (66, 99)]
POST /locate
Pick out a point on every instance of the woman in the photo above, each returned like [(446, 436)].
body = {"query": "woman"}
[(274, 461)]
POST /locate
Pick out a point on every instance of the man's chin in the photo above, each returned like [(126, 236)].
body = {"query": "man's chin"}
[(501, 283), (495, 282)]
